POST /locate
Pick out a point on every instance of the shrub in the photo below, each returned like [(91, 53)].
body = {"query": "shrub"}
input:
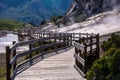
[(2, 73), (99, 70), (55, 18), (108, 66), (114, 66), (113, 42)]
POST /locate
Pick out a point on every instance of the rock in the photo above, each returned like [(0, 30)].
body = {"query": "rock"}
[(82, 9), (2, 33)]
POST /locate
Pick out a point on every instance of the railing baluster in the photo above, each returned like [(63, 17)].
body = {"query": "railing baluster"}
[(30, 55), (70, 39), (91, 44), (55, 41), (85, 58), (79, 37), (73, 36), (8, 66), (97, 44), (14, 53)]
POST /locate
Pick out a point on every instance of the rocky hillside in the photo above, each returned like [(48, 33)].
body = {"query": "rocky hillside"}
[(105, 21), (82, 9)]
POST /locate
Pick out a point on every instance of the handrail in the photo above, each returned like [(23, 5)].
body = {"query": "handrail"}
[(84, 40), (86, 51), (79, 46), (35, 41), (81, 60), (32, 50), (57, 40)]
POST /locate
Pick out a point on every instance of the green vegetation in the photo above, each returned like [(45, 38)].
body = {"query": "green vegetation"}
[(108, 66), (2, 67), (55, 18), (7, 24), (2, 73), (113, 42)]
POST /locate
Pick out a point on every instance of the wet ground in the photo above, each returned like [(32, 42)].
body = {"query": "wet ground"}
[(7, 41)]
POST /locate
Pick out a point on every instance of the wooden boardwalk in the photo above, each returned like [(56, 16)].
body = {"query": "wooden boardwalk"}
[(42, 45), (58, 67)]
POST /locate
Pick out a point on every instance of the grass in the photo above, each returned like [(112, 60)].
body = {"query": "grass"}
[(2, 67), (8, 24)]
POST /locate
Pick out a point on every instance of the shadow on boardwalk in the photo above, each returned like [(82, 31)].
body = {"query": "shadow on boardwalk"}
[(25, 65), (57, 65)]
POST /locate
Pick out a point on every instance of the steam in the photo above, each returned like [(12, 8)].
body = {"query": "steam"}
[(115, 4), (103, 23)]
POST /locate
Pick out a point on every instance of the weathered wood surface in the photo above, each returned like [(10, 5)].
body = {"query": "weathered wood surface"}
[(86, 52), (58, 67)]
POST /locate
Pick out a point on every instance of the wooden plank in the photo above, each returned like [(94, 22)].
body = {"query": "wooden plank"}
[(37, 40), (14, 53), (81, 60), (80, 71), (34, 49), (8, 67), (79, 46), (57, 67)]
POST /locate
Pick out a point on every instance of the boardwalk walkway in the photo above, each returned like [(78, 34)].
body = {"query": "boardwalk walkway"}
[(58, 67)]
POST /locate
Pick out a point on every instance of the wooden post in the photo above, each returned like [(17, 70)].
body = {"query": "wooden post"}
[(76, 52), (73, 36), (29, 33), (55, 37), (64, 39), (83, 40), (84, 55), (44, 33), (80, 38), (14, 54), (38, 34), (18, 33), (85, 58), (87, 37), (8, 66), (60, 37), (49, 39), (98, 48), (30, 55), (47, 34), (91, 41), (70, 39), (55, 40)]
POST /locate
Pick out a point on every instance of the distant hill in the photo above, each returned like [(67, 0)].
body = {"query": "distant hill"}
[(7, 24), (33, 11)]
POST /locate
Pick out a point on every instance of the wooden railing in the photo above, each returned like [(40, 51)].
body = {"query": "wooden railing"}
[(86, 49), (38, 33), (86, 52), (13, 67)]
